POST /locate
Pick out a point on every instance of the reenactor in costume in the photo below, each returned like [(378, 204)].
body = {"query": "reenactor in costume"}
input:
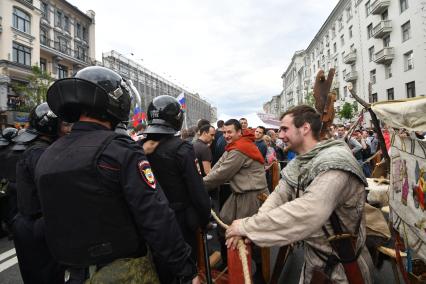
[(176, 169), (104, 211), (242, 165), (35, 261), (320, 201)]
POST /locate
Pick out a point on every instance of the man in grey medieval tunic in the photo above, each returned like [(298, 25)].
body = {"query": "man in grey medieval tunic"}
[(322, 179)]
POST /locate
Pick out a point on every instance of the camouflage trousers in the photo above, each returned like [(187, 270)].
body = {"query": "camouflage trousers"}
[(126, 271)]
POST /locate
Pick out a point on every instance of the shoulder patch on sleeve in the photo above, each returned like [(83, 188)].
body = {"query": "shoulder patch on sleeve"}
[(147, 175)]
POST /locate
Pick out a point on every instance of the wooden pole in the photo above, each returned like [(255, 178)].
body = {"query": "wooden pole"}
[(376, 124)]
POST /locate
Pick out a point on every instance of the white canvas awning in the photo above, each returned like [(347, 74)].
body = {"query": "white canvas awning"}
[(409, 114), (253, 120)]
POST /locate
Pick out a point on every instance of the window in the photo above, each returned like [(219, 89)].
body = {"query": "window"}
[(385, 15), (373, 76), (352, 48), (367, 8), (408, 61), (411, 89), (386, 41), (21, 54), (334, 47), (345, 91), (370, 30), (390, 94), (342, 40), (340, 22), (84, 33), (62, 44), (58, 19), (388, 71), (45, 11), (343, 55), (78, 30), (374, 98), (43, 65), (406, 28), (348, 13), (62, 71), (81, 52), (371, 53), (333, 32), (21, 20), (350, 32), (66, 23), (403, 5), (43, 37)]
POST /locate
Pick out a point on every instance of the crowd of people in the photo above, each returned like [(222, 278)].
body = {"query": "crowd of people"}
[(102, 202)]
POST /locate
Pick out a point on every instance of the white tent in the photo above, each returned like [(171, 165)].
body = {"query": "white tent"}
[(252, 118)]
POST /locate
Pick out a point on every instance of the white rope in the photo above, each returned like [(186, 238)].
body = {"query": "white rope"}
[(242, 250)]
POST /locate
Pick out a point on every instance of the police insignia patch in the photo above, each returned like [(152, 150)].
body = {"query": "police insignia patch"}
[(147, 174)]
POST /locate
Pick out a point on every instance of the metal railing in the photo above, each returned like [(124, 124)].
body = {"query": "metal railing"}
[(63, 48)]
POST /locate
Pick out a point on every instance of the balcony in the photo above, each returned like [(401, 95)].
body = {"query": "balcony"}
[(384, 56), (58, 48), (381, 29), (351, 76), (379, 6), (350, 57)]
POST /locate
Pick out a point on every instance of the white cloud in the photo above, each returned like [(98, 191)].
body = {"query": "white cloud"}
[(232, 53)]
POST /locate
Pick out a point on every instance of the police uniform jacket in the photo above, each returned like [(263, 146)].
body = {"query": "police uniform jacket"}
[(175, 165), (27, 195), (101, 202)]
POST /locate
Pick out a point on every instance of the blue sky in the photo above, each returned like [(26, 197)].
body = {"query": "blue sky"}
[(231, 52)]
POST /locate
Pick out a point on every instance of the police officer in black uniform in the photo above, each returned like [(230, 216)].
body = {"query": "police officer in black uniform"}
[(175, 167), (100, 200), (35, 261), (7, 179)]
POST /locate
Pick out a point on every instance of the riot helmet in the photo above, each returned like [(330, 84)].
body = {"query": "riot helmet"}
[(96, 90), (42, 122), (7, 135), (165, 116)]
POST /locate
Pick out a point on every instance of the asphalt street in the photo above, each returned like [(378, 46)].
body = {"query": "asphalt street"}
[(9, 270)]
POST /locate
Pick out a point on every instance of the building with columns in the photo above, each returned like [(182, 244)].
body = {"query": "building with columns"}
[(369, 42), (52, 34)]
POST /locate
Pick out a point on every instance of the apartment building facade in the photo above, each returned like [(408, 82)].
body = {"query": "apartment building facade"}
[(52, 34), (151, 85), (377, 43), (273, 106), (293, 88)]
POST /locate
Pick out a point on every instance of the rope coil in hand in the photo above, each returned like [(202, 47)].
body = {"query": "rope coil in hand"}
[(242, 250)]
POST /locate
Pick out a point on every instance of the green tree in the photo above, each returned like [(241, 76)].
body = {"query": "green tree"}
[(35, 90), (347, 111), (310, 100)]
